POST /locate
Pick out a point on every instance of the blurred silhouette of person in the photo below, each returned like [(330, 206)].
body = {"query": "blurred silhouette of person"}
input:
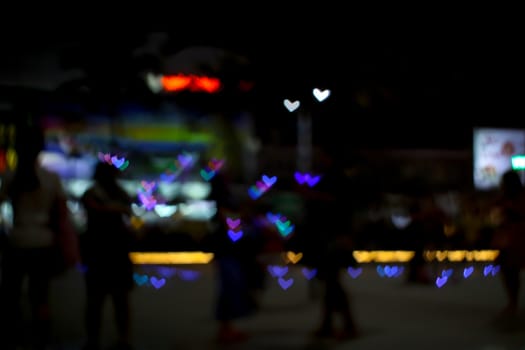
[(253, 227), (424, 231), (233, 260), (509, 237), (416, 241), (106, 245), (328, 245), (31, 248)]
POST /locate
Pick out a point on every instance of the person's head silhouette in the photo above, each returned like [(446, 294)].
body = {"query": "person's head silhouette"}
[(511, 184), (29, 142), (105, 174)]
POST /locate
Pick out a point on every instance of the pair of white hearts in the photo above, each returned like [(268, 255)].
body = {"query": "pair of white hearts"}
[(320, 95)]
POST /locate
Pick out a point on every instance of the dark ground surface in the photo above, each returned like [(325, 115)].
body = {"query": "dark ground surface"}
[(391, 314)]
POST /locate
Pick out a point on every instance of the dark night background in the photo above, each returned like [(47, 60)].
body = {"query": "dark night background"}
[(422, 87), (426, 87)]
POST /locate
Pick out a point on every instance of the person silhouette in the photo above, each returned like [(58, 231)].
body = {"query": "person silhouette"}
[(328, 245), (509, 237), (233, 260), (31, 247), (106, 244)]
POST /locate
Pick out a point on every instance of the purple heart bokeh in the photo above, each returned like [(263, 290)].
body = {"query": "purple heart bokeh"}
[(278, 271), (261, 186), (117, 162), (310, 180), (447, 273), (184, 159), (188, 275), (391, 271), (440, 281), (233, 223), (167, 177), (157, 282), (273, 217), (148, 201), (234, 236), (167, 272), (313, 180), (487, 270), (254, 192), (354, 272), (285, 284), (467, 271), (300, 178), (495, 270), (269, 181), (309, 273)]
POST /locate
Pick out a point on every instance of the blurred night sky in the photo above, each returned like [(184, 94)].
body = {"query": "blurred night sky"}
[(389, 89)]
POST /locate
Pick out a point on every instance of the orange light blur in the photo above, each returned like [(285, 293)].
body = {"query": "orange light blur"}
[(206, 84), (179, 82), (175, 82)]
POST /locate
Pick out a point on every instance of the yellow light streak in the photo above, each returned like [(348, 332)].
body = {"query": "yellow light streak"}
[(361, 256)]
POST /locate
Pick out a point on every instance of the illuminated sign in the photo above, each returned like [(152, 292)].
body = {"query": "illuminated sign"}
[(494, 151)]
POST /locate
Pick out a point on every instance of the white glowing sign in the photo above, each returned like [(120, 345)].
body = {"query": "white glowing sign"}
[(493, 153)]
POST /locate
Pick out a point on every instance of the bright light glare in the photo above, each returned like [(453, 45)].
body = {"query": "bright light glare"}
[(169, 258), (196, 190), (362, 256)]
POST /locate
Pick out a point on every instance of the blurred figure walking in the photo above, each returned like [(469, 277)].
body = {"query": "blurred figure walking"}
[(106, 245), (233, 260), (509, 237), (328, 243), (36, 196)]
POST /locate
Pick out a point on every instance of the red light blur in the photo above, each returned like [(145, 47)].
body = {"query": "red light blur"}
[(173, 83)]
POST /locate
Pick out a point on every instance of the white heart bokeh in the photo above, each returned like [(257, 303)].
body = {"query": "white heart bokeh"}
[(291, 106), (138, 210), (164, 210), (321, 95)]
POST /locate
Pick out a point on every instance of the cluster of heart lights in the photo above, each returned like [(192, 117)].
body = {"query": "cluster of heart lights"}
[(146, 192), (161, 276), (261, 187), (146, 196), (320, 96), (384, 271), (283, 225), (209, 171), (119, 163), (184, 161), (279, 272), (306, 179), (488, 271), (234, 229)]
